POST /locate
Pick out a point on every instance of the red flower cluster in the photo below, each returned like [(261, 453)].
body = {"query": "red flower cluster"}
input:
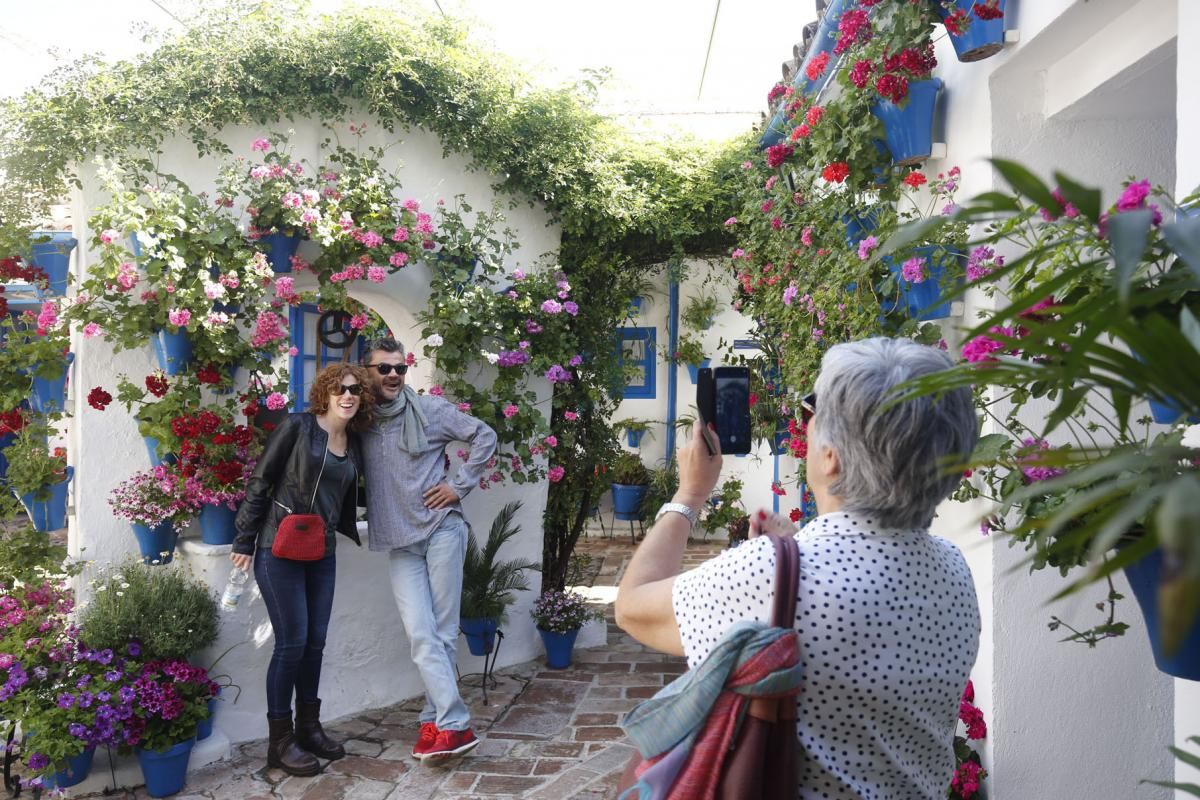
[(99, 399), (14, 269), (816, 67), (11, 421), (795, 515), (957, 22), (837, 172), (860, 73), (777, 91), (854, 28), (916, 64), (892, 87), (778, 153), (156, 384), (915, 178), (988, 10), (208, 374), (798, 443)]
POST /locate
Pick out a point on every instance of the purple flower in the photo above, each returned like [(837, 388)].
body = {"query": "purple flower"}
[(571, 307), (1034, 474), (66, 700), (913, 270), (76, 729), (789, 294), (134, 649), (532, 327), (556, 374), (866, 246), (112, 676), (1134, 196), (126, 693), (576, 360), (40, 673), (552, 306), (38, 761)]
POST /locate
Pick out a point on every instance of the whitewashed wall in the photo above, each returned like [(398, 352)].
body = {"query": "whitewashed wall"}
[(366, 661)]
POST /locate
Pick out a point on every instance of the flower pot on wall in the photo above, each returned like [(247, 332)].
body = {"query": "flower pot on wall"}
[(860, 224), (280, 247), (480, 633), (77, 769), (216, 524), (634, 437), (1169, 414), (53, 257), (920, 300), (694, 370), (165, 772), (627, 501), (173, 350), (49, 514), (559, 647), (983, 37), (909, 130), (157, 544), (152, 449), (1143, 579), (635, 306), (49, 394)]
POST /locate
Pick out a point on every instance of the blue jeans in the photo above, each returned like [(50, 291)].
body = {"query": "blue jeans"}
[(427, 582), (299, 598)]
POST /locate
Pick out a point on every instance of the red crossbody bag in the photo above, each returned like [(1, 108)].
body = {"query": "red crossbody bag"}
[(299, 537)]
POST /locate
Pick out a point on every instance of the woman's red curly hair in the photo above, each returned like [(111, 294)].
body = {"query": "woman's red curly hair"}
[(327, 382)]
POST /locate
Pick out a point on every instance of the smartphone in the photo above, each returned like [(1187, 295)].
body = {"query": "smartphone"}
[(723, 398)]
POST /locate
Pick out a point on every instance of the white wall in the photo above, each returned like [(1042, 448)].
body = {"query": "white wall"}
[(366, 661)]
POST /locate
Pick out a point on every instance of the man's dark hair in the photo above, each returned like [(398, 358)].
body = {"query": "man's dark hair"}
[(385, 343)]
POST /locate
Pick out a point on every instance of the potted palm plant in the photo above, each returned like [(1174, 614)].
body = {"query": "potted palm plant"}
[(488, 584)]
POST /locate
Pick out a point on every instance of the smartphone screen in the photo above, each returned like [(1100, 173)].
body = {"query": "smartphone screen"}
[(723, 398)]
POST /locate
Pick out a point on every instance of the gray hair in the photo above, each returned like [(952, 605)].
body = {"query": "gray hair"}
[(385, 343), (896, 464)]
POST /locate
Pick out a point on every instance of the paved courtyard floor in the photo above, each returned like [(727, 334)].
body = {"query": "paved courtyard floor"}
[(546, 734)]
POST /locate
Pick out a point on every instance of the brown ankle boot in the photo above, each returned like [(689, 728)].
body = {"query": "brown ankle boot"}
[(311, 735), (285, 753)]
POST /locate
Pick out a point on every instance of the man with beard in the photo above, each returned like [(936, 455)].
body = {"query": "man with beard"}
[(415, 516)]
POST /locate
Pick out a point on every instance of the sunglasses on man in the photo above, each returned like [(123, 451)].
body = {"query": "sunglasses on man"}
[(386, 369), (353, 388)]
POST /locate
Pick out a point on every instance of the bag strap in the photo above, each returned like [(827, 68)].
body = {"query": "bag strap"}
[(787, 579)]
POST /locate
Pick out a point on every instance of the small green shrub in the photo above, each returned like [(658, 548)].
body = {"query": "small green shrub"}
[(171, 614), (628, 470)]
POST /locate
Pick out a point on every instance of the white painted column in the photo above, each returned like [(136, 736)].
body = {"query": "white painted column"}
[(1187, 177)]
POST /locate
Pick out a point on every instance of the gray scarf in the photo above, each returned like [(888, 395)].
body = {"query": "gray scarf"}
[(412, 419)]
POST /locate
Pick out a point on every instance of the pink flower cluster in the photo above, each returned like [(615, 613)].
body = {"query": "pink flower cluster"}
[(1033, 474), (981, 348), (269, 327)]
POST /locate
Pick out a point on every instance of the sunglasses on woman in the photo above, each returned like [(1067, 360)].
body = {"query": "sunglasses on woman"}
[(353, 388), (808, 407), (386, 369)]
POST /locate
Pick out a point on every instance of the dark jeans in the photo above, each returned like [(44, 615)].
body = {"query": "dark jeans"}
[(299, 598)]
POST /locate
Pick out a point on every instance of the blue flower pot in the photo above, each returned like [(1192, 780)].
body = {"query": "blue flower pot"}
[(859, 225), (694, 370), (49, 393), (152, 449), (280, 248), (627, 501), (635, 306), (983, 39), (634, 437), (50, 514), (1169, 414), (909, 129), (559, 647), (1143, 579), (216, 524), (173, 350), (165, 772), (54, 257), (480, 633), (78, 768), (5, 441), (204, 727), (154, 542), (920, 300)]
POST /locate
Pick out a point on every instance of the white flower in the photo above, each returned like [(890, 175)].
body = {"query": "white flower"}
[(492, 358), (1191, 437), (435, 340)]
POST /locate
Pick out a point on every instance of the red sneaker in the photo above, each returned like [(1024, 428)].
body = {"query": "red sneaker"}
[(429, 734), (450, 744)]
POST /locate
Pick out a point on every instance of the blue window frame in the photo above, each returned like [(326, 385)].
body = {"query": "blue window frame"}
[(304, 365), (636, 348)]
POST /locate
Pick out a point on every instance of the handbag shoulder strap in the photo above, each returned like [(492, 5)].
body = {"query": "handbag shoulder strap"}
[(787, 579)]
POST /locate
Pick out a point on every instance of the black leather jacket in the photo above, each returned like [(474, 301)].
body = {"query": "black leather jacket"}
[(286, 478)]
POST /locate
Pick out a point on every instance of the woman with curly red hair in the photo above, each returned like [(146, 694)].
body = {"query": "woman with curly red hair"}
[(311, 464)]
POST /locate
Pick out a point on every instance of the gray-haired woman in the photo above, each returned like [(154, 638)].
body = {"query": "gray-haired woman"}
[(887, 614)]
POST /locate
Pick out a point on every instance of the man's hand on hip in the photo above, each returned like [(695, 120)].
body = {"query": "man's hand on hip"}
[(440, 496)]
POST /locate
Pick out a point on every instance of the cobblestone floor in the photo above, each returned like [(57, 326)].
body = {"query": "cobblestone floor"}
[(547, 735)]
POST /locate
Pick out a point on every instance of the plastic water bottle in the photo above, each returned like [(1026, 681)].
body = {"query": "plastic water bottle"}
[(234, 588)]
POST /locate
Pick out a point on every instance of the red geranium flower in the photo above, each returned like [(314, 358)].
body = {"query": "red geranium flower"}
[(778, 153), (99, 399), (837, 172), (988, 10), (208, 374), (817, 66), (11, 421), (915, 178), (892, 87), (957, 22), (795, 514), (156, 384)]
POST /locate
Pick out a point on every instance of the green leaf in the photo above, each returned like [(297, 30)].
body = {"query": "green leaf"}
[(1086, 199), (1025, 183), (989, 448), (1190, 328), (1184, 238), (1128, 231)]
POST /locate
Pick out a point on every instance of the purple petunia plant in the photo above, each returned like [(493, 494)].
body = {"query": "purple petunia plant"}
[(560, 612)]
